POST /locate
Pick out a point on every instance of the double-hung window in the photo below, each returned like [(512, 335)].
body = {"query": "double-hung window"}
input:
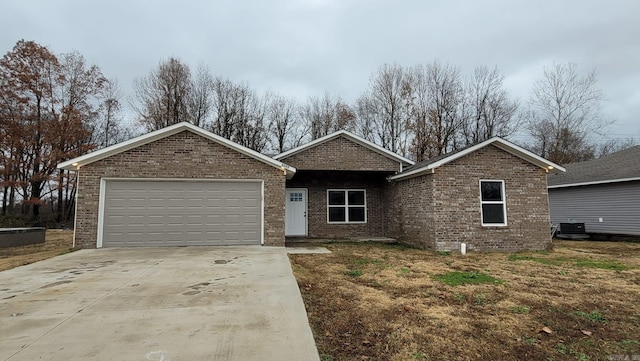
[(346, 206), (492, 203)]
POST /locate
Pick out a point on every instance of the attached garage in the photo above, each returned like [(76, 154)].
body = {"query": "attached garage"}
[(178, 186), (144, 213)]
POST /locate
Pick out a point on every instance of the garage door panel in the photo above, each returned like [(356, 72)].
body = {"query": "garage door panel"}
[(249, 218), (169, 213), (250, 202)]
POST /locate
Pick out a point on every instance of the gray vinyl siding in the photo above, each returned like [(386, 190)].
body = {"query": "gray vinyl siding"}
[(618, 204)]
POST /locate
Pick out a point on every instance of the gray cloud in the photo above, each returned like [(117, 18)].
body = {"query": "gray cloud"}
[(301, 48)]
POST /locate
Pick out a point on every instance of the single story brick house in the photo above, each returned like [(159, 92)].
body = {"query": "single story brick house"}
[(182, 185)]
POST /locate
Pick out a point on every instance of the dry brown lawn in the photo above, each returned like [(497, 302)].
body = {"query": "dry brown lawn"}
[(369, 301), (56, 243)]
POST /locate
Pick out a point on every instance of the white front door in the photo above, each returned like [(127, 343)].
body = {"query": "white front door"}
[(295, 212)]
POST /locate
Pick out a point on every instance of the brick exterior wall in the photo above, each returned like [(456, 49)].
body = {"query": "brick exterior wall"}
[(318, 182), (410, 213), (341, 154), (451, 214), (341, 163), (182, 155)]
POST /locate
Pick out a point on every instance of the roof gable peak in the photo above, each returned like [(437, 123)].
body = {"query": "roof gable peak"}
[(76, 163), (430, 165), (350, 136)]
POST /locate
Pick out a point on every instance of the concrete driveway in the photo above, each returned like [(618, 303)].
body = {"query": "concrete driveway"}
[(161, 304)]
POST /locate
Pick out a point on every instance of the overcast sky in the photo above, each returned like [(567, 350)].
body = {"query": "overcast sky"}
[(302, 48)]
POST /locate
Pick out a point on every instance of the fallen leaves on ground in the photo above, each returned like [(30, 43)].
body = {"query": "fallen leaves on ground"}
[(381, 302)]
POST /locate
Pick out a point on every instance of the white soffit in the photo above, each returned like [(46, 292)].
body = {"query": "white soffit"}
[(78, 162), (496, 141)]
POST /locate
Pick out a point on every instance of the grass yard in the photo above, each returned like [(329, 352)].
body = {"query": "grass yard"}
[(371, 301), (56, 243)]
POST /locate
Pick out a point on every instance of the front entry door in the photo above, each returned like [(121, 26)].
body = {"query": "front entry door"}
[(296, 212)]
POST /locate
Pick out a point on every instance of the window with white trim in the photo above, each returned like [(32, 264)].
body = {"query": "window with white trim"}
[(346, 206), (493, 206)]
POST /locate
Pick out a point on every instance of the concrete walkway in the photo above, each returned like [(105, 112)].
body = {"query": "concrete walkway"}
[(189, 303)]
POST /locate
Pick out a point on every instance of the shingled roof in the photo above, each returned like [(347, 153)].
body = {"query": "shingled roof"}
[(431, 164), (617, 167)]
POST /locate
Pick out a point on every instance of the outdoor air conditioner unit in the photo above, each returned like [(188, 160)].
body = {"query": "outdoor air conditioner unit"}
[(572, 230)]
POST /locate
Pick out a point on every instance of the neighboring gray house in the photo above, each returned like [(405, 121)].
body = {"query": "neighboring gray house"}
[(603, 193)]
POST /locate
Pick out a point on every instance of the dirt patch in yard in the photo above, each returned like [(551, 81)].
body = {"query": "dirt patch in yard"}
[(56, 242), (389, 302)]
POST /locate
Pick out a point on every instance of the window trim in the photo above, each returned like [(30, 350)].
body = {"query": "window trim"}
[(346, 205), (503, 202)]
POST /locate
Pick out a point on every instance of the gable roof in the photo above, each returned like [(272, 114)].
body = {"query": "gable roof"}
[(343, 133), (431, 164), (621, 166), (76, 163)]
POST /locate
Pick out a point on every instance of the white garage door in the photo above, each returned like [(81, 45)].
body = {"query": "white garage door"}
[(181, 213)]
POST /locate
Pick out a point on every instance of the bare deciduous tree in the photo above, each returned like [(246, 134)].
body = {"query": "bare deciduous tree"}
[(489, 111), (109, 128), (383, 111), (326, 114), (366, 124), (162, 97), (225, 107), (614, 145), (200, 98), (71, 135), (239, 114), (285, 126), (564, 112), (436, 109)]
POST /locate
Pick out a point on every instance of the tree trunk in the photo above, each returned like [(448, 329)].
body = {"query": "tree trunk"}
[(4, 200), (36, 192), (12, 200), (71, 203)]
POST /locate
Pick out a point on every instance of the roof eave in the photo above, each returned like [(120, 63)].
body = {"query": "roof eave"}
[(365, 143), (498, 142), (80, 161), (607, 181), (413, 173), (528, 156), (83, 160)]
